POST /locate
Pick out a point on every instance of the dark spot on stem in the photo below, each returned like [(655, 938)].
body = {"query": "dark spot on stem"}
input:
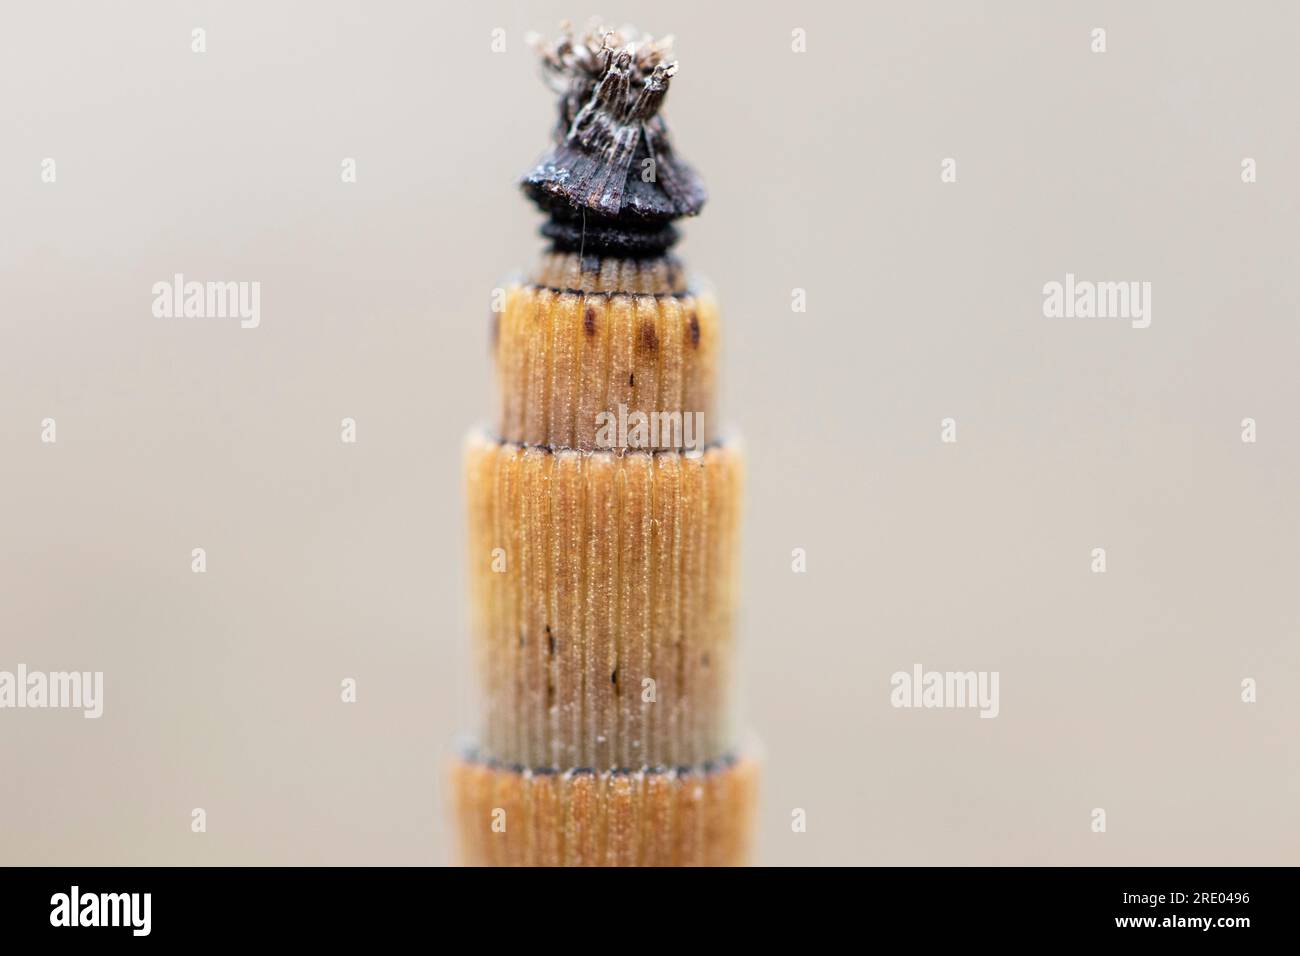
[(694, 327), (631, 379), (649, 337), (589, 321)]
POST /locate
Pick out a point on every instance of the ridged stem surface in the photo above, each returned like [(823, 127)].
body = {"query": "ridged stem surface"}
[(603, 576), (604, 591), (563, 358), (675, 818)]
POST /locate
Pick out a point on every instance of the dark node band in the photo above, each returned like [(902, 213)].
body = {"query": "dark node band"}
[(603, 238)]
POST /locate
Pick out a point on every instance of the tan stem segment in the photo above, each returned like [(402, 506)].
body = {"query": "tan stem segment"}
[(563, 358), (604, 590), (509, 817)]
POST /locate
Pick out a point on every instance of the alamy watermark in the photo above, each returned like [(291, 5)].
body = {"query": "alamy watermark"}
[(945, 689), (130, 910), (179, 299), (81, 690), (647, 430), (1084, 299)]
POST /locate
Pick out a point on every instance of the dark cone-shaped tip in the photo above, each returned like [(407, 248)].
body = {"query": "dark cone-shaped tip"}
[(612, 176)]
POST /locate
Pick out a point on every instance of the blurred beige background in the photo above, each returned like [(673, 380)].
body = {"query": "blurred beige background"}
[(327, 561)]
